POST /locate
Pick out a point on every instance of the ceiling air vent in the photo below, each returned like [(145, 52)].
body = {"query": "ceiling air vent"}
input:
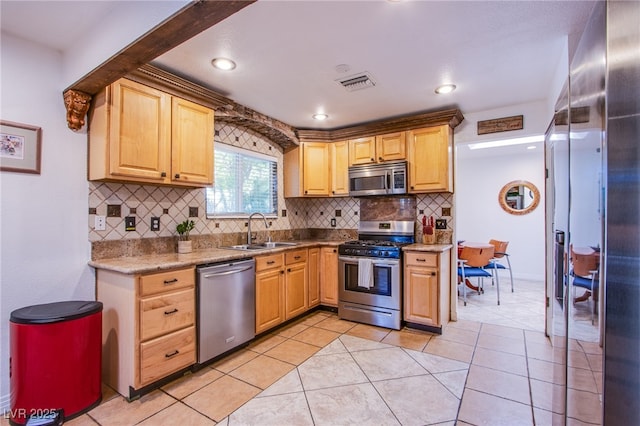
[(357, 82)]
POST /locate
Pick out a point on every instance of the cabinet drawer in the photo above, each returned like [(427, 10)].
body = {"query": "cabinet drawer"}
[(295, 256), (421, 259), (167, 281), (165, 313), (269, 262), (167, 354)]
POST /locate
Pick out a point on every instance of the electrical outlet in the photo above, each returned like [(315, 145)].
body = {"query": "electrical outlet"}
[(155, 223), (333, 222), (130, 223), (100, 223)]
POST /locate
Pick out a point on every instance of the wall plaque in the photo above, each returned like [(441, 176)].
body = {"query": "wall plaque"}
[(496, 125)]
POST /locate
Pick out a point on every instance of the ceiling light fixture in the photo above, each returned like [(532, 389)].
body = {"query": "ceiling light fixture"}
[(223, 64), (320, 116), (445, 88), (506, 142)]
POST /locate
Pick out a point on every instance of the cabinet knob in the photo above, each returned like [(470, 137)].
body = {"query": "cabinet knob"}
[(333, 192), (334, 250), (373, 159), (177, 176), (379, 158), (163, 174), (306, 192), (433, 274), (412, 187)]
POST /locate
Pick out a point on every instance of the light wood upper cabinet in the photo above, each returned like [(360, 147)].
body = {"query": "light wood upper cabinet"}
[(140, 134), (430, 159), (362, 151), (316, 169), (191, 142), (378, 149), (339, 155), (391, 147)]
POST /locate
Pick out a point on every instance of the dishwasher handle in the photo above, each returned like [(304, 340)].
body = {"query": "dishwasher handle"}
[(232, 271)]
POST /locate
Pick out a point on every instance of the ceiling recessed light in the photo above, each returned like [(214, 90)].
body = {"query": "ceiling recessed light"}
[(531, 147), (223, 64), (320, 116), (445, 88)]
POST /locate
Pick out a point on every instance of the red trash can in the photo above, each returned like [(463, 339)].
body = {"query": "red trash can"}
[(55, 359)]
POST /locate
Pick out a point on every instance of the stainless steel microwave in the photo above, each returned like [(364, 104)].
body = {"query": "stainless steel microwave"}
[(378, 179)]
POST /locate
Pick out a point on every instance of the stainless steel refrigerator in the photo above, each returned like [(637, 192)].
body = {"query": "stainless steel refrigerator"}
[(595, 135)]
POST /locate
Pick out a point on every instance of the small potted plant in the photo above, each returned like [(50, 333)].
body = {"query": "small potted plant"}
[(184, 243)]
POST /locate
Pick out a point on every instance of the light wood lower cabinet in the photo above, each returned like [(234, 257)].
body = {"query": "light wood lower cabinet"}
[(269, 291), (426, 288), (329, 276), (148, 326), (281, 288), (313, 276)]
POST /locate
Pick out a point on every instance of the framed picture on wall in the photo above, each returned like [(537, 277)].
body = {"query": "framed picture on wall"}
[(20, 147)]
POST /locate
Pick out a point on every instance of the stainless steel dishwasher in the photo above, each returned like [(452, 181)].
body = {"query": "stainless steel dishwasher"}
[(226, 307)]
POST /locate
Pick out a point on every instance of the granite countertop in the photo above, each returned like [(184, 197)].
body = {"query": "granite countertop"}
[(159, 262), (435, 248)]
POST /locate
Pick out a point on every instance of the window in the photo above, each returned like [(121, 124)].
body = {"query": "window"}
[(244, 182)]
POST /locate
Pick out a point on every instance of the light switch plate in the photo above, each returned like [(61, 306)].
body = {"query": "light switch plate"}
[(130, 223), (441, 223)]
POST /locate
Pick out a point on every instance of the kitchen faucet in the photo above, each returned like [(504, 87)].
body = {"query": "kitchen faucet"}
[(249, 226)]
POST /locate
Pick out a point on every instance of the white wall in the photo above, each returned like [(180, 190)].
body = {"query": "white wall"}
[(480, 217), (43, 218), (481, 174)]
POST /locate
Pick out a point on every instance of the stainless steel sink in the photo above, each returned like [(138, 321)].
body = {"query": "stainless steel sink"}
[(275, 244), (267, 245)]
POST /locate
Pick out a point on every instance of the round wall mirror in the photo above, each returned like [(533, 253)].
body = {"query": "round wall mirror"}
[(519, 197)]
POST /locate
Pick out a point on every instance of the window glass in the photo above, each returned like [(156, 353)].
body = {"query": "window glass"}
[(244, 182)]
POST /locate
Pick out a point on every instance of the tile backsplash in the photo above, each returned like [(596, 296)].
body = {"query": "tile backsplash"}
[(172, 205)]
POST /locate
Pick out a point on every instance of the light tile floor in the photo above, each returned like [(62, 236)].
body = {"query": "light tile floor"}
[(321, 370)]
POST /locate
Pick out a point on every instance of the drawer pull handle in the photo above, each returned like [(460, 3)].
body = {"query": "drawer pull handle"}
[(168, 282), (171, 312), (296, 257), (172, 354), (421, 260), (271, 262)]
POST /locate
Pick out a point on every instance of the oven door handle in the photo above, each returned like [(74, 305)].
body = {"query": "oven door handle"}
[(376, 261)]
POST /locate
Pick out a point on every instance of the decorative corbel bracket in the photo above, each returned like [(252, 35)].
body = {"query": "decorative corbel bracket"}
[(77, 104)]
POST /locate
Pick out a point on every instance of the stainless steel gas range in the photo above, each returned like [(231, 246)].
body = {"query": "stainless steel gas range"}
[(370, 273)]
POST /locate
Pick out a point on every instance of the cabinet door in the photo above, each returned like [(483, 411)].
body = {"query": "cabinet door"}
[(191, 143), (140, 132), (269, 299), (339, 153), (430, 160), (421, 296), (329, 276), (315, 168), (362, 151), (313, 277), (296, 295), (392, 146)]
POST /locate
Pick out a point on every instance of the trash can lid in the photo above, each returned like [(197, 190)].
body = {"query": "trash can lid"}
[(55, 312)]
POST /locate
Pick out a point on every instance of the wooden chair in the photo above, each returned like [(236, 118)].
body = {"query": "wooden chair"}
[(584, 274), (471, 263), (500, 255)]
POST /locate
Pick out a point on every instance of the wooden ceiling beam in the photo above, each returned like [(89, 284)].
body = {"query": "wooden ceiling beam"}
[(191, 20)]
